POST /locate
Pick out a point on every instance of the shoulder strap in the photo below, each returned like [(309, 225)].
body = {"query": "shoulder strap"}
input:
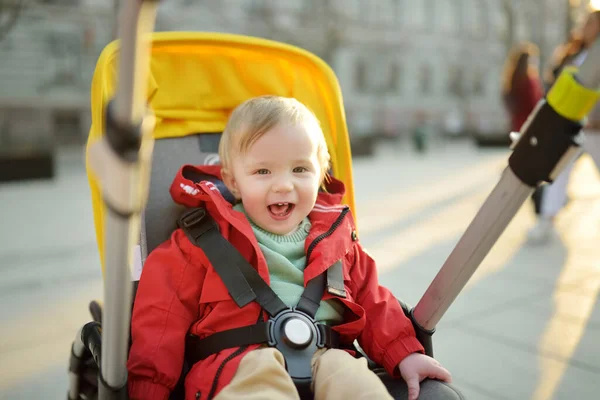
[(241, 279), (333, 279), (310, 300)]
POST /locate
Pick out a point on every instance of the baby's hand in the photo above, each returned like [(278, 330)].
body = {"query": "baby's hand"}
[(417, 367)]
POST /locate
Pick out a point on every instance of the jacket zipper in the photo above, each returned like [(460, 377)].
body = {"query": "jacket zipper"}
[(233, 355), (311, 247), (322, 236), (220, 369)]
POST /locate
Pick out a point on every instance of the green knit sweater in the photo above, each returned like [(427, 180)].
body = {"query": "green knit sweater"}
[(286, 261)]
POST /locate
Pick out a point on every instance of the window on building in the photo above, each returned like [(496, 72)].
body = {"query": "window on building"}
[(501, 20), (448, 16), (455, 84), (425, 79), (476, 17), (483, 18), (295, 6), (64, 61), (385, 12), (398, 11), (360, 76), (394, 78), (346, 9), (377, 76), (478, 83), (418, 14)]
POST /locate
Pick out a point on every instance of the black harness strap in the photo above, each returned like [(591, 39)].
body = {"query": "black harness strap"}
[(265, 296), (245, 285), (196, 224), (310, 300), (197, 349), (241, 279), (329, 337), (313, 293)]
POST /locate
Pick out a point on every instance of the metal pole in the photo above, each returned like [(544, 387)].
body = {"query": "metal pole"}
[(121, 160), (483, 232)]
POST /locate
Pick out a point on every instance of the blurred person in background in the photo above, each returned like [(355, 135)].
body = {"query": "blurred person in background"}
[(549, 199), (421, 132), (521, 85)]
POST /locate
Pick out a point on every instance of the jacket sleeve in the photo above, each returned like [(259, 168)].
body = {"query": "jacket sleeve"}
[(388, 336), (165, 307)]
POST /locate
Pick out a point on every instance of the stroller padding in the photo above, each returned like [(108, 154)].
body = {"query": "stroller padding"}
[(161, 213)]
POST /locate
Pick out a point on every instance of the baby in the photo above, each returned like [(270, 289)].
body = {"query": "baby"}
[(289, 224)]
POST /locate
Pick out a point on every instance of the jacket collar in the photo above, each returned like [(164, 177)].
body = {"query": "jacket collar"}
[(332, 224), (188, 188)]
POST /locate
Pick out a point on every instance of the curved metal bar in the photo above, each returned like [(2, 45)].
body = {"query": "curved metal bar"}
[(122, 157)]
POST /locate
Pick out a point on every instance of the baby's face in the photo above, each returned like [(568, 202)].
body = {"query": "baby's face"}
[(278, 178)]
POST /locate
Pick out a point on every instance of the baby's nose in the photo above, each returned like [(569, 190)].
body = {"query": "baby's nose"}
[(283, 186)]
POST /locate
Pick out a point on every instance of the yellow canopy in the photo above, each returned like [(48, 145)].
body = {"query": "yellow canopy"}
[(197, 79)]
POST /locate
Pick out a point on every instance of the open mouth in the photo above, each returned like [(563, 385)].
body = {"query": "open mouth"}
[(281, 210)]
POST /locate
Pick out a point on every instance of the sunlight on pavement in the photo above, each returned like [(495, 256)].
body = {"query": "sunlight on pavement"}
[(375, 215), (450, 223), (442, 226), (41, 339), (579, 228)]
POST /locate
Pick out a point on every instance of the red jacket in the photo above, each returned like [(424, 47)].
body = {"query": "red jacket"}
[(180, 293), (524, 96)]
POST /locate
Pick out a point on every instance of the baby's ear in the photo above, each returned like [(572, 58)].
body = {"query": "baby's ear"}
[(229, 181)]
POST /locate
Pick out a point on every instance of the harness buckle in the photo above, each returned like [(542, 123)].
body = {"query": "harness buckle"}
[(296, 335), (192, 217), (271, 342)]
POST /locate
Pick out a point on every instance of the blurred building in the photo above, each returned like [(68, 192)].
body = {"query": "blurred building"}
[(48, 50), (395, 59)]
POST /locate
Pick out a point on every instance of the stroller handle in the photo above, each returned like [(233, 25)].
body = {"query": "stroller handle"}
[(589, 73), (122, 162), (136, 22)]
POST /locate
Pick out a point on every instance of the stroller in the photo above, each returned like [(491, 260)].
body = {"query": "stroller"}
[(196, 80), (190, 83)]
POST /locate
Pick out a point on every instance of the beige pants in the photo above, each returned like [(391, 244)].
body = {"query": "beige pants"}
[(336, 375)]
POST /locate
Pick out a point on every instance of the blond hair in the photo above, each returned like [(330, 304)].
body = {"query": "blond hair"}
[(518, 51), (253, 118)]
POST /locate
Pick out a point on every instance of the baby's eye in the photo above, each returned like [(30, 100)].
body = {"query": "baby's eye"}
[(300, 169), (262, 171)]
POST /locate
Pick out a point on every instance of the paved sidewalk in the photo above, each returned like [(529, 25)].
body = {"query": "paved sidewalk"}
[(524, 328), (528, 323)]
